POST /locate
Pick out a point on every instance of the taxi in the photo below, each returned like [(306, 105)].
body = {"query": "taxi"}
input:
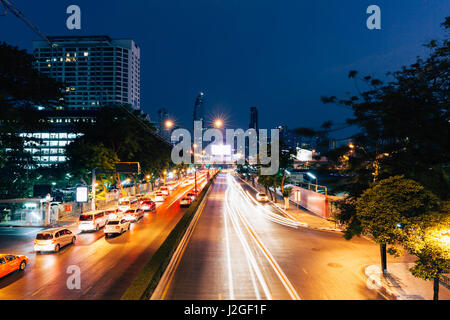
[(10, 263)]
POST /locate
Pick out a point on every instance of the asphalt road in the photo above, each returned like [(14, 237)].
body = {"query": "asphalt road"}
[(108, 266), (241, 249)]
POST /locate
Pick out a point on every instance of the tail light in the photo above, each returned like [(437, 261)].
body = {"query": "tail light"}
[(117, 227)]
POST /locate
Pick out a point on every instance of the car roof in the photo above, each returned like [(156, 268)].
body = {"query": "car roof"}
[(52, 230)]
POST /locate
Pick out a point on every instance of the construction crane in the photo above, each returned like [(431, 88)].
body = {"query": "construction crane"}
[(8, 5)]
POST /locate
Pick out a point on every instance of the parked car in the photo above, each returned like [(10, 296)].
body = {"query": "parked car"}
[(93, 220), (262, 197), (53, 239), (148, 205), (185, 202), (10, 263), (159, 197), (133, 214), (115, 226)]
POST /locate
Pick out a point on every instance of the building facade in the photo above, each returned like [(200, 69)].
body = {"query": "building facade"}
[(96, 70)]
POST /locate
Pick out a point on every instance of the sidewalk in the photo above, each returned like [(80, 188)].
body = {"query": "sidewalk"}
[(306, 218), (400, 284)]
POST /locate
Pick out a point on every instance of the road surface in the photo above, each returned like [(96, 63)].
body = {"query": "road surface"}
[(108, 266), (241, 249)]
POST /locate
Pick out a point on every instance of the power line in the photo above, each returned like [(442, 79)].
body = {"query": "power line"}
[(8, 5)]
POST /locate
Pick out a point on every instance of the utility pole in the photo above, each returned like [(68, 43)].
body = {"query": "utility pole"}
[(93, 190)]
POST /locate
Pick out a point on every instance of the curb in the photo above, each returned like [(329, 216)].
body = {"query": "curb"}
[(373, 274)]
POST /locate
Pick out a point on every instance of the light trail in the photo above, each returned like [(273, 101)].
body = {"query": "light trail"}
[(235, 200)]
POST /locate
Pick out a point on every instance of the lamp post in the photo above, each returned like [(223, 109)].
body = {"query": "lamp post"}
[(93, 189)]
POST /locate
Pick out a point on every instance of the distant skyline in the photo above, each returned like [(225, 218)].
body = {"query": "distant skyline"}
[(278, 56)]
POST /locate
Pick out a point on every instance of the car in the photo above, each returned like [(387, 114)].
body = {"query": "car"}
[(127, 203), (148, 205), (11, 262), (159, 197), (262, 197), (191, 195), (113, 214), (133, 214), (92, 221), (185, 202), (116, 226), (53, 239), (165, 191)]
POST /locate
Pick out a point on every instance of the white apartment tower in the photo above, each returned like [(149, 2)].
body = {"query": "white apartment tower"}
[(96, 70)]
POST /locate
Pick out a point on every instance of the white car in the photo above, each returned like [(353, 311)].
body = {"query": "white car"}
[(260, 196), (159, 197), (53, 239), (116, 226), (165, 191), (93, 220), (185, 202), (133, 214)]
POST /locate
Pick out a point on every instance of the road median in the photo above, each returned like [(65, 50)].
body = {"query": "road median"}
[(147, 280)]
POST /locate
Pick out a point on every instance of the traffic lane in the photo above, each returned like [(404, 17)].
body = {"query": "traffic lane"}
[(320, 264), (219, 262), (107, 266)]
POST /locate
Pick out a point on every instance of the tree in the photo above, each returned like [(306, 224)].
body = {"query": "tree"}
[(429, 240), (131, 140), (22, 88), (391, 205), (402, 125)]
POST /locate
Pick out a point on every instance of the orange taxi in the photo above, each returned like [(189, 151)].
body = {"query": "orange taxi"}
[(10, 263)]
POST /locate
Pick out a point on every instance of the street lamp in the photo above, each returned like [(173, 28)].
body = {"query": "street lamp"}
[(218, 123), (168, 124)]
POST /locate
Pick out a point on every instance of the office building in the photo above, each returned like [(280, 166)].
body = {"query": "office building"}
[(253, 118)]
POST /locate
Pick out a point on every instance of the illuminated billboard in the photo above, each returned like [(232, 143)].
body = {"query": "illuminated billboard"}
[(82, 194), (304, 155), (221, 150)]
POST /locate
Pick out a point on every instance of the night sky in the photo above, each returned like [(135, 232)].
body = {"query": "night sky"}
[(280, 56)]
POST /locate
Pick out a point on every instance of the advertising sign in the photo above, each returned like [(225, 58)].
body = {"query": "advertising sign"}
[(82, 194)]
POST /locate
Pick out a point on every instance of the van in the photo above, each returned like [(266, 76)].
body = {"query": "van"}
[(93, 220)]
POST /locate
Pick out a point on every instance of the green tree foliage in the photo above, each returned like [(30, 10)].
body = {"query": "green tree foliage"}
[(402, 125), (391, 206), (429, 240), (116, 135), (22, 88)]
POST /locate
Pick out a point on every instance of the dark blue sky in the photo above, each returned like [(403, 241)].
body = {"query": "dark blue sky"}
[(280, 56)]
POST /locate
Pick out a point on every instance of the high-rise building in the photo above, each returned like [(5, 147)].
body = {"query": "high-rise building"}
[(198, 107), (253, 118), (97, 70), (163, 116)]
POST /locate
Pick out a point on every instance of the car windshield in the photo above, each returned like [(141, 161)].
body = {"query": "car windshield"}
[(113, 222), (262, 194), (86, 217), (44, 236), (130, 211)]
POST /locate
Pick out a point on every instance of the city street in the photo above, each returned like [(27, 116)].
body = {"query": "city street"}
[(107, 266), (241, 249)]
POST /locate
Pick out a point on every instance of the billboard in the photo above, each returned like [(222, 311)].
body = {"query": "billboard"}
[(221, 150), (82, 194), (304, 155)]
